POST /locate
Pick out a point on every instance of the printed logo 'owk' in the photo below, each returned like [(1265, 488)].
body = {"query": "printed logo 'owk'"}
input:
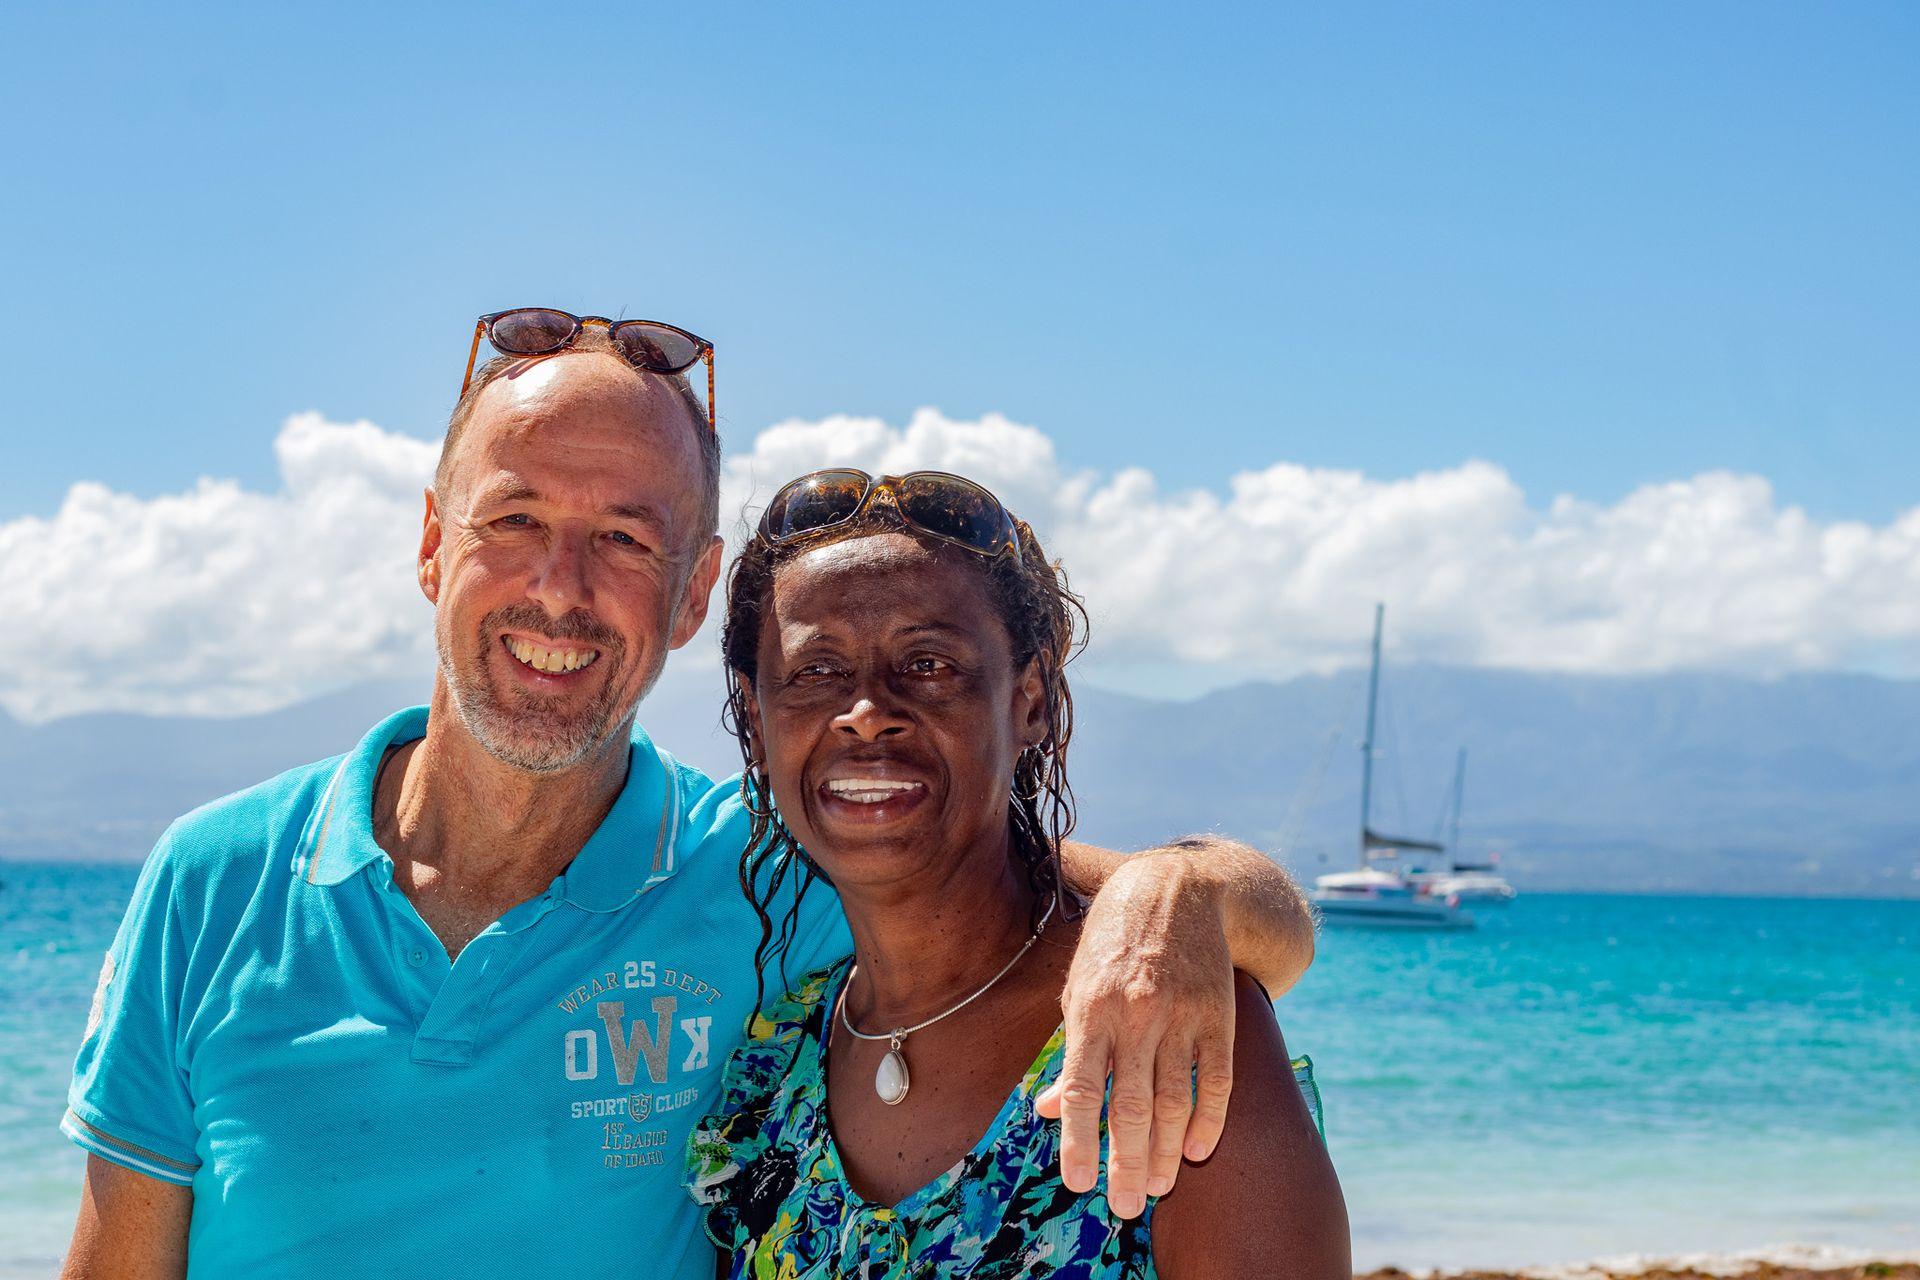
[(630, 1046)]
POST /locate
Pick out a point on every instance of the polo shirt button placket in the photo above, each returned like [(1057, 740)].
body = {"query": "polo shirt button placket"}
[(416, 956)]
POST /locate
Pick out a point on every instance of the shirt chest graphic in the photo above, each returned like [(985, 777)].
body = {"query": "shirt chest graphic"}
[(635, 1050)]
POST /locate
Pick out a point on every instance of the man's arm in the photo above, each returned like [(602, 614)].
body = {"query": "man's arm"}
[(131, 1227), (1150, 1000), (1264, 915)]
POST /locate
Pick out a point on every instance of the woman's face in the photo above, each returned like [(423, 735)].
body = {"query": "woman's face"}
[(888, 710)]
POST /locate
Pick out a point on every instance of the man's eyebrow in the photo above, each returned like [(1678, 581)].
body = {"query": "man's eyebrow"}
[(508, 492), (637, 511)]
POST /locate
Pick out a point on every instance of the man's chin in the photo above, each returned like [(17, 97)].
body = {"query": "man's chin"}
[(532, 738)]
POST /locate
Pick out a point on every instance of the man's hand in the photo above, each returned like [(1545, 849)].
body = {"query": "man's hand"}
[(1150, 999)]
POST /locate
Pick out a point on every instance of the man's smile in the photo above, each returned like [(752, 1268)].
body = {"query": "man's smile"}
[(549, 657)]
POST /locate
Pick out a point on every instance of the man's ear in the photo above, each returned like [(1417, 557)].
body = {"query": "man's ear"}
[(429, 556), (1030, 705), (699, 592)]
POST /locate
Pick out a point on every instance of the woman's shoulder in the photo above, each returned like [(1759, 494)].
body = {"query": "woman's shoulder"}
[(771, 1088), (1269, 1189), (787, 1015)]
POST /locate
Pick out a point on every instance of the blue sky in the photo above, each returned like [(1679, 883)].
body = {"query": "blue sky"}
[(1583, 336), (1597, 245)]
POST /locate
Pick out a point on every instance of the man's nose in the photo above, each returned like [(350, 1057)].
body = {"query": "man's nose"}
[(561, 582), (873, 714)]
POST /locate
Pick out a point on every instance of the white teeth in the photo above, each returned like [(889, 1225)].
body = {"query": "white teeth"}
[(868, 790), (552, 661)]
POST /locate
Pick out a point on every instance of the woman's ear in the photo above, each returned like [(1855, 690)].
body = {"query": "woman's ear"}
[(751, 705), (1030, 705)]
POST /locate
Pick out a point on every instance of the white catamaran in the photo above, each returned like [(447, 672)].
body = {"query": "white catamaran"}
[(1377, 896), (1476, 882)]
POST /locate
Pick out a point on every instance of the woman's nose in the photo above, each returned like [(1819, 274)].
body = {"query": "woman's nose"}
[(871, 716)]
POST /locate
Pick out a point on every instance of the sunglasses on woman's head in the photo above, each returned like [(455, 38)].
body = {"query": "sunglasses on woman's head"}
[(652, 345), (948, 507)]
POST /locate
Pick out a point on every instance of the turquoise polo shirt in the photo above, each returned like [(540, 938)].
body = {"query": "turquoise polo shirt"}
[(277, 1029)]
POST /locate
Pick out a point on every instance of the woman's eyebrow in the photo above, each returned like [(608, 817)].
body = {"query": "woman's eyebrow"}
[(933, 628)]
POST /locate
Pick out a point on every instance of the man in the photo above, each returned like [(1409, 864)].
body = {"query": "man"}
[(450, 1003)]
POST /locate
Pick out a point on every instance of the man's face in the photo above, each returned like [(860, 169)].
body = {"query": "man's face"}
[(565, 557)]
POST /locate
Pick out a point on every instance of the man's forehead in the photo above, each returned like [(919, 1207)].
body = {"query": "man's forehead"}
[(586, 420), (572, 384)]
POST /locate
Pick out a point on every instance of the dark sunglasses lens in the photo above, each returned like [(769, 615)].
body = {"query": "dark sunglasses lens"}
[(814, 502), (656, 347), (954, 509), (532, 332)]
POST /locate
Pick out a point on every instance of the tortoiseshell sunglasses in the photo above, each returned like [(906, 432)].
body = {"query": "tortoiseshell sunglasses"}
[(948, 507), (652, 345)]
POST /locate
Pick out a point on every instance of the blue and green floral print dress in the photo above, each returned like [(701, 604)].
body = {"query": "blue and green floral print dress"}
[(779, 1205)]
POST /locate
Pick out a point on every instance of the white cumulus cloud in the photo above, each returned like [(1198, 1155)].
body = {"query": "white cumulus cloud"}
[(224, 600), (219, 600), (1278, 574)]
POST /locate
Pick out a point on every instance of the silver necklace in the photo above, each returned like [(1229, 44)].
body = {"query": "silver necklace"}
[(891, 1081)]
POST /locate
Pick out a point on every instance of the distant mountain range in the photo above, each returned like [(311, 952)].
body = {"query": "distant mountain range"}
[(1674, 783)]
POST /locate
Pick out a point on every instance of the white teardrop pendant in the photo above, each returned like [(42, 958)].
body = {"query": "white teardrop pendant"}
[(891, 1081)]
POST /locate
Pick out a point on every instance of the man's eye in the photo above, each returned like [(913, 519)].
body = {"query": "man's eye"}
[(623, 539), (518, 520)]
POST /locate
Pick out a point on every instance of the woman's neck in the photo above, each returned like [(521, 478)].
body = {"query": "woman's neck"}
[(923, 947)]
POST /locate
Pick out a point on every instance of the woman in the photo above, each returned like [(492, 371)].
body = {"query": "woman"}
[(897, 651)]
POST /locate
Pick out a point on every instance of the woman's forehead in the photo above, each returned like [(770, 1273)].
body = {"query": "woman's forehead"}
[(886, 573)]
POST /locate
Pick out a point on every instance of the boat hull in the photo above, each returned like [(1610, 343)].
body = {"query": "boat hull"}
[(1411, 914)]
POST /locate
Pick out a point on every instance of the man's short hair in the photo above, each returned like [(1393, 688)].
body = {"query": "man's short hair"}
[(592, 340)]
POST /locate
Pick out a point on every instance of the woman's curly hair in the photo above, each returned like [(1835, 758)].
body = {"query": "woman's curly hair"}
[(1044, 619)]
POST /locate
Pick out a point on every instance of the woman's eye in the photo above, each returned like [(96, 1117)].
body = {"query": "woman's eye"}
[(928, 667)]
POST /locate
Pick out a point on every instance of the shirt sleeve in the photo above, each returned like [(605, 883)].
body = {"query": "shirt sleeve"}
[(718, 817), (129, 1101)]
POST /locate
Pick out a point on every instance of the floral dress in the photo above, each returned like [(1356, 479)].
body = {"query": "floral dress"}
[(778, 1203)]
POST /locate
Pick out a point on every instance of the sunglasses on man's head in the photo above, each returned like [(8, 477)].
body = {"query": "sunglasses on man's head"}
[(948, 507), (652, 345)]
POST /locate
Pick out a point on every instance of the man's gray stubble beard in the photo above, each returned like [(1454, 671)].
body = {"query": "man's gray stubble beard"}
[(500, 730)]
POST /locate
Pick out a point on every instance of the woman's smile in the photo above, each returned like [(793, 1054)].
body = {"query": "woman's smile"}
[(865, 797), (870, 789)]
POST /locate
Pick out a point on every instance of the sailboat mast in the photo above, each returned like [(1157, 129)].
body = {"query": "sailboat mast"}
[(1459, 795), (1366, 747)]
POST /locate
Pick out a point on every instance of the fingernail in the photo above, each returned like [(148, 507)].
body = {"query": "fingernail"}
[(1159, 1186), (1196, 1151), (1079, 1178), (1126, 1204)]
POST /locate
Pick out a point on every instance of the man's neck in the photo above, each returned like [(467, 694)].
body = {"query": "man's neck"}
[(471, 837)]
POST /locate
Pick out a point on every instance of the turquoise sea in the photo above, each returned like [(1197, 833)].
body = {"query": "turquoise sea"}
[(1580, 1077)]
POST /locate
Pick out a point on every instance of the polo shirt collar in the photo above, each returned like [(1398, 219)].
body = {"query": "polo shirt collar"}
[(634, 848)]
